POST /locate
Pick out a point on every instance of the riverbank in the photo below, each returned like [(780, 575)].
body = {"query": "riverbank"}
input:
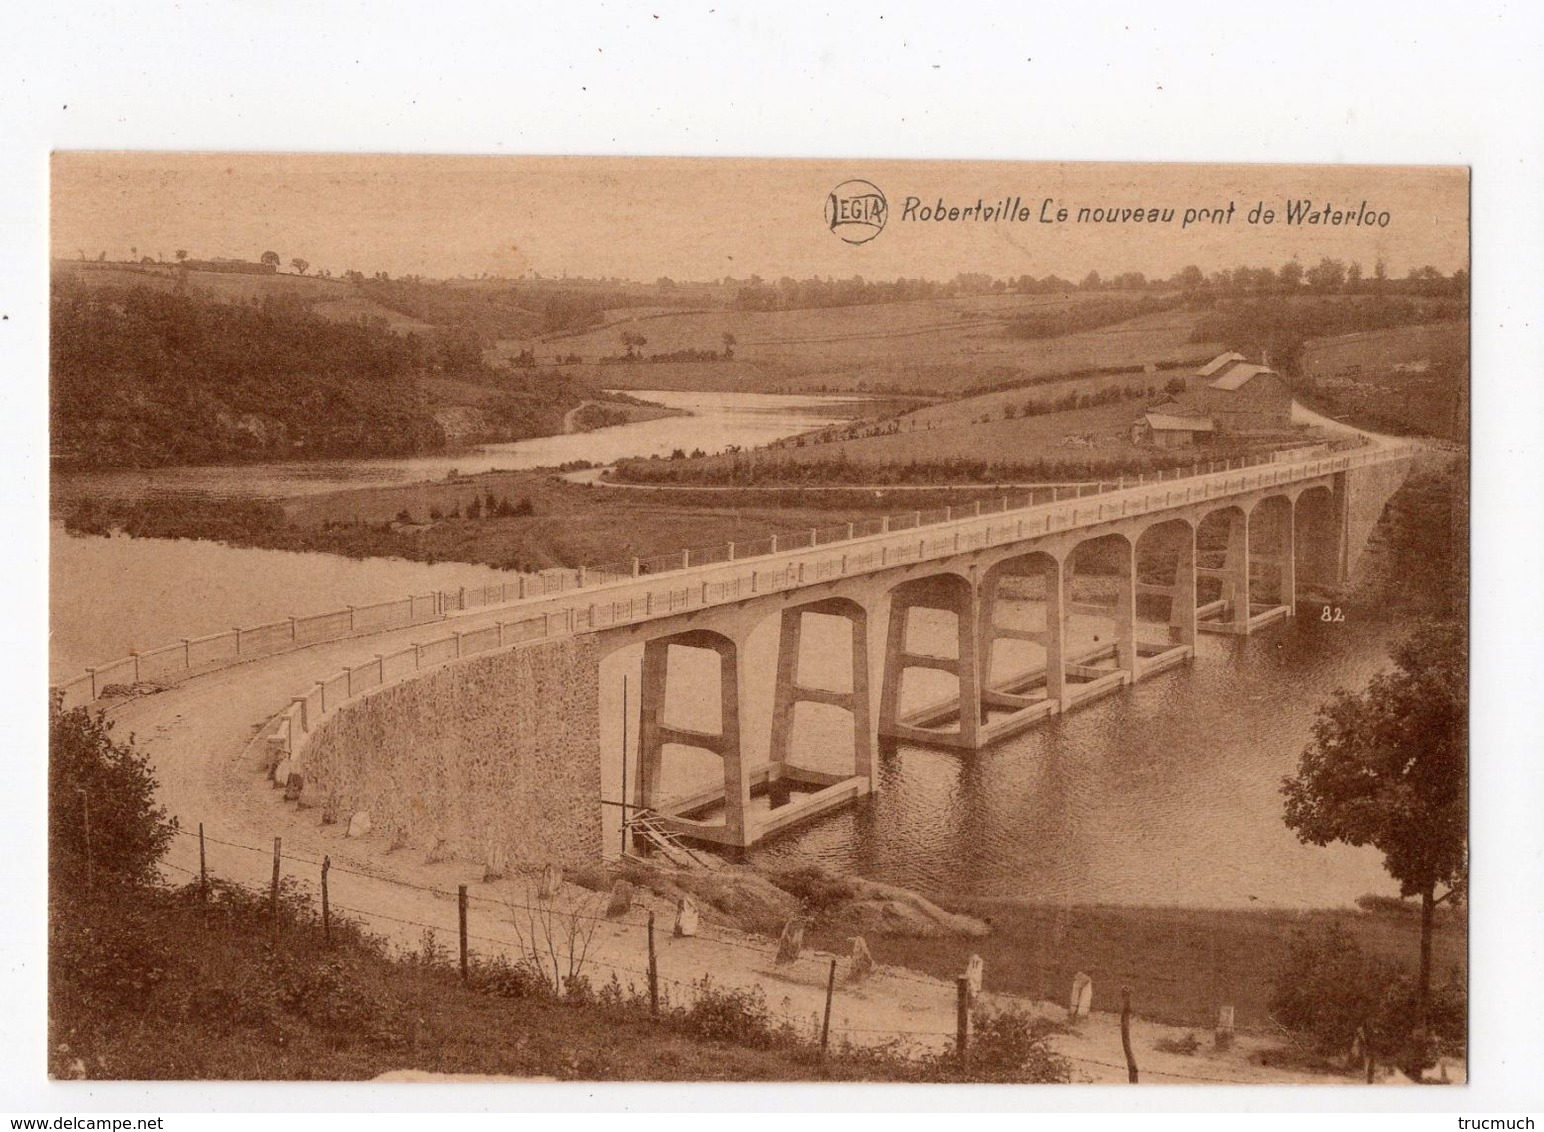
[(613, 410), (510, 520)]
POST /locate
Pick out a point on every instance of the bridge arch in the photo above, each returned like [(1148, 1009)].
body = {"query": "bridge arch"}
[(1023, 655), (721, 738), (1099, 574), (793, 690), (955, 596), (1272, 557), (1317, 523), (1165, 559), (1222, 569)]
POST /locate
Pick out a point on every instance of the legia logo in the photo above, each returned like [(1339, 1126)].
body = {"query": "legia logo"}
[(856, 211)]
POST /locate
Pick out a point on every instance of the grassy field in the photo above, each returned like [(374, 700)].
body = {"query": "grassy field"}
[(927, 346), (1410, 379), (973, 428), (230, 287), (145, 985), (1379, 351)]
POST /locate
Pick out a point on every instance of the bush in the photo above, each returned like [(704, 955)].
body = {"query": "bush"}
[(729, 1014), (1331, 992), (101, 801), (1010, 1046), (1328, 990)]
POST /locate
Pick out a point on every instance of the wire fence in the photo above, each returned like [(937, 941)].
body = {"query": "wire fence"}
[(489, 926)]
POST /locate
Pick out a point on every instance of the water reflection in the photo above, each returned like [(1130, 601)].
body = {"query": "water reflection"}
[(1163, 794)]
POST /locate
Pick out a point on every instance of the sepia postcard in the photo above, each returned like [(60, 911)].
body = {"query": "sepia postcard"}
[(640, 619)]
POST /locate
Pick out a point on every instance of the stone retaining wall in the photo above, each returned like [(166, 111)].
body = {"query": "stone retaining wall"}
[(490, 759)]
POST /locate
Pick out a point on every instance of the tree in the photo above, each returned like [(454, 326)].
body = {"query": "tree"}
[(1327, 275), (730, 341), (102, 816), (182, 254), (1190, 278), (1291, 274), (270, 258), (1388, 767), (300, 265)]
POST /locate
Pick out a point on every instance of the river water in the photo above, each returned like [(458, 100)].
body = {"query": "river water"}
[(716, 421), (1167, 793), (1162, 794)]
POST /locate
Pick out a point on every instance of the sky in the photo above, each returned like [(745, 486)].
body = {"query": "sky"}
[(702, 219)]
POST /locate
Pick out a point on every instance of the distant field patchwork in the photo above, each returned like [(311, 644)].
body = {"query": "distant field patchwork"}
[(932, 346)]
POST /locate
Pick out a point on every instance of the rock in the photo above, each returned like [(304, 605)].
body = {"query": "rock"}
[(621, 901), (551, 882), (871, 908), (281, 772), (294, 786), (359, 824), (1082, 1000), (791, 942), (974, 969), (861, 966), (686, 917), (1223, 1037)]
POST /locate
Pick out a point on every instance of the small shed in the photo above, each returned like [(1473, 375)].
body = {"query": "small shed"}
[(1170, 430)]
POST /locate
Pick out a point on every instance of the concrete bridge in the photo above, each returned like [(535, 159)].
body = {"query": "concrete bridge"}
[(487, 738)]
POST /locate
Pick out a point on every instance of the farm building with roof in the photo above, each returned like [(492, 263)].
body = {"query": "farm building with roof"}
[(1240, 396)]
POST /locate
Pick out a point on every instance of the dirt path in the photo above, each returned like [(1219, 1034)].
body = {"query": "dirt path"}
[(571, 418)]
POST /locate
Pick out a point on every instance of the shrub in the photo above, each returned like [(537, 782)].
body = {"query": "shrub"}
[(508, 978), (729, 1014), (1008, 1045), (1330, 991), (101, 801)]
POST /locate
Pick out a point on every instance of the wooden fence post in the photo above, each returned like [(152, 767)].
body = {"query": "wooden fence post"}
[(961, 1015), (1125, 1034), (203, 874), (326, 908), (273, 898), (85, 820), (461, 913), (825, 1027), (653, 971)]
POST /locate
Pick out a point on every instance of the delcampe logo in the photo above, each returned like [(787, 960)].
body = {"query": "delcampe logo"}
[(856, 211)]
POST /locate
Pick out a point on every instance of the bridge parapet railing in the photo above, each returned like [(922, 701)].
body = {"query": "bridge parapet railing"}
[(190, 656), (646, 600)]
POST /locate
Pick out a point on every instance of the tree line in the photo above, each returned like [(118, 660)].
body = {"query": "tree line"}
[(141, 377)]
